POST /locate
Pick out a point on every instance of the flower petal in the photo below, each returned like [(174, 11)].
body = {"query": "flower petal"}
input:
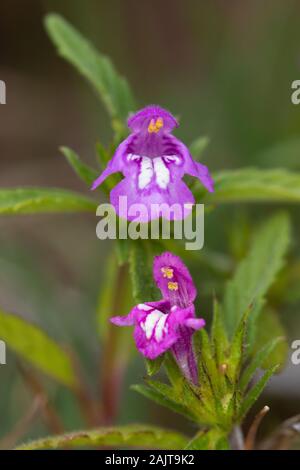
[(174, 280), (116, 164), (184, 355), (191, 167), (202, 173), (141, 119), (174, 203), (126, 320), (155, 331)]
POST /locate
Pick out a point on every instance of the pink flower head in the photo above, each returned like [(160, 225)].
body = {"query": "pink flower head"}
[(170, 322), (153, 163)]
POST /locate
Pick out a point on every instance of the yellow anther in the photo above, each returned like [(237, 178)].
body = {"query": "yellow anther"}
[(155, 126), (167, 272), (172, 285), (159, 123)]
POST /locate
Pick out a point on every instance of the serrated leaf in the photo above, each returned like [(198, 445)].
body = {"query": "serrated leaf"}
[(121, 436), (252, 185), (207, 359), (94, 66), (35, 346), (198, 146), (164, 400), (213, 439), (184, 395), (43, 200), (235, 358), (85, 173), (219, 337), (258, 270), (254, 393), (259, 359)]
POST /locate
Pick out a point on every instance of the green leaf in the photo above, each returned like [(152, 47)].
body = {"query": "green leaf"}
[(173, 372), (268, 327), (257, 271), (103, 155), (259, 359), (86, 173), (254, 393), (207, 358), (153, 366), (121, 436), (198, 146), (141, 273), (95, 67), (214, 439), (252, 185), (163, 398), (219, 337), (35, 346), (235, 358), (41, 200)]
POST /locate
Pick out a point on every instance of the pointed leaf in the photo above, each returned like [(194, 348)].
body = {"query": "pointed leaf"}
[(198, 146), (254, 393), (95, 67), (102, 155), (43, 200), (35, 346), (268, 327), (163, 400), (219, 336), (153, 366), (235, 358), (252, 185), (258, 270), (86, 173), (259, 358), (207, 359), (173, 372)]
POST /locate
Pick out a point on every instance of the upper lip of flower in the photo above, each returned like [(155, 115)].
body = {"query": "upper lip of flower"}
[(153, 162)]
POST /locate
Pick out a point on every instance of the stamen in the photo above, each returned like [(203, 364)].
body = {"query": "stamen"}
[(173, 285), (167, 272), (155, 126), (159, 123)]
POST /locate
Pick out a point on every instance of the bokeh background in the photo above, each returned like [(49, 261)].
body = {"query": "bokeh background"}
[(225, 68)]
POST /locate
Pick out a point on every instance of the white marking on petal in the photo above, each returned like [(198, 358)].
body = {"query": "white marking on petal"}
[(172, 158), (161, 172), (144, 307), (161, 328), (151, 322), (132, 157), (146, 172)]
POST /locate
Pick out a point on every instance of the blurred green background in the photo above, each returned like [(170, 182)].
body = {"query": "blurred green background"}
[(225, 68)]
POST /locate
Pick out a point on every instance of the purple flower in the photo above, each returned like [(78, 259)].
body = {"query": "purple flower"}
[(153, 163), (170, 322)]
